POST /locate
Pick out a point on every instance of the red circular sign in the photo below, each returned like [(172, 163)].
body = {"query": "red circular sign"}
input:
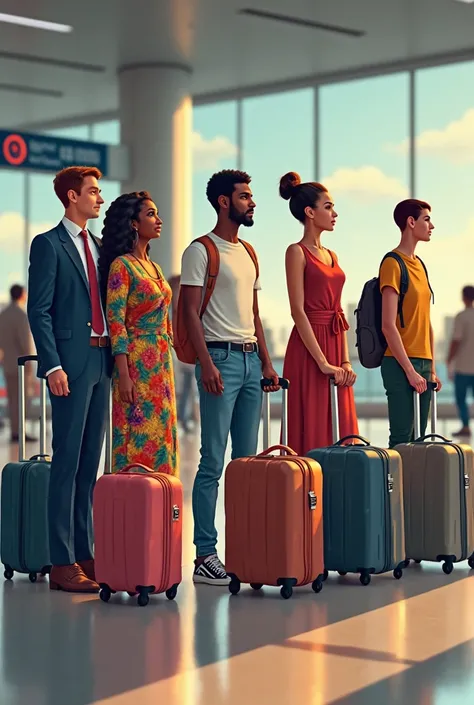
[(15, 149)]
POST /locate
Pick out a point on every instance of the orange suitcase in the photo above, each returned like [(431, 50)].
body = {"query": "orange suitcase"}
[(274, 522), (138, 533)]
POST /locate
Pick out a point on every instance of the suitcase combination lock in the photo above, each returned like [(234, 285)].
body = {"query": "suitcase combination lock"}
[(313, 500), (467, 482), (390, 483), (175, 512)]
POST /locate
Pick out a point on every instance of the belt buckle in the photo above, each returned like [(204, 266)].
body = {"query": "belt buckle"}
[(248, 348), (102, 338)]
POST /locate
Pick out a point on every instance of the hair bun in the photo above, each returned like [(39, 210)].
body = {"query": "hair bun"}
[(288, 184)]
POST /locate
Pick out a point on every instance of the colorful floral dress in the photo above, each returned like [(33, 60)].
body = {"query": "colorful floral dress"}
[(139, 325)]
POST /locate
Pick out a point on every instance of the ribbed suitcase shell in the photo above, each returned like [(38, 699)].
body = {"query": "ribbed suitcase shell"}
[(24, 516), (363, 508), (138, 531), (439, 501), (274, 527)]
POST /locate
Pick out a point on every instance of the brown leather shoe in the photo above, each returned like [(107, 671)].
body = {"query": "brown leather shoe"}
[(88, 568), (71, 578)]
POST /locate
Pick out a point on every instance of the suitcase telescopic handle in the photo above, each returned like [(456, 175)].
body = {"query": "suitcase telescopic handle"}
[(22, 409), (284, 384), (432, 387)]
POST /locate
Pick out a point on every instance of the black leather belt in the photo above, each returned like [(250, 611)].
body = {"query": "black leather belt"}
[(236, 347)]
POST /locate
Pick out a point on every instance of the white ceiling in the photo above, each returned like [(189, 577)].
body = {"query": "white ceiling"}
[(226, 50)]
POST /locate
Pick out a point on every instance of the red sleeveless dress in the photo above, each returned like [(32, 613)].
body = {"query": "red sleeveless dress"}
[(309, 412)]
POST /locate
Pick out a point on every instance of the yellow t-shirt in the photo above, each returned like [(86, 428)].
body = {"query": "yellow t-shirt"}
[(416, 305)]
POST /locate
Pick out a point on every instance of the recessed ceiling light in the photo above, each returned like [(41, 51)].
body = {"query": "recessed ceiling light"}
[(467, 2), (37, 24)]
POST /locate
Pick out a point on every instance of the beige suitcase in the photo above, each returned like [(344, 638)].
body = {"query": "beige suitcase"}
[(438, 481)]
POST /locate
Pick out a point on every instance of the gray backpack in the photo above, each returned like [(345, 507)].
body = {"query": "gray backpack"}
[(371, 343)]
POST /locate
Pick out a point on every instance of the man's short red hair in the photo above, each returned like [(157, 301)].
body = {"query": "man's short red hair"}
[(73, 178)]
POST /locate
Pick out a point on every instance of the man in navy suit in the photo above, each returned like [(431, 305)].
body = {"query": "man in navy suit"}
[(69, 328)]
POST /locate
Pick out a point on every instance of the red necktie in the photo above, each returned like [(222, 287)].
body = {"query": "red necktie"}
[(97, 318)]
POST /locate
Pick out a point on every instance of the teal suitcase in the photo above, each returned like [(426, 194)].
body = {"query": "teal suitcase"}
[(363, 516), (24, 545)]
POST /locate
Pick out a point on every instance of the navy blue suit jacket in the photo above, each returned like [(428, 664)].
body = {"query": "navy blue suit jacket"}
[(59, 304)]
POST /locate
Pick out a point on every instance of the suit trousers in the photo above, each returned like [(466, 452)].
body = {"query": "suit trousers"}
[(79, 423)]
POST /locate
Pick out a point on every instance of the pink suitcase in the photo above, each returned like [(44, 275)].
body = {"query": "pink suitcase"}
[(138, 533)]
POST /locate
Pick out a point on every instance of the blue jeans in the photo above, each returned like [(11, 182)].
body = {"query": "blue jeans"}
[(238, 411), (462, 383)]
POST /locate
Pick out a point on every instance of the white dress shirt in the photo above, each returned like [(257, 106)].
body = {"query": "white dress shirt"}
[(74, 231)]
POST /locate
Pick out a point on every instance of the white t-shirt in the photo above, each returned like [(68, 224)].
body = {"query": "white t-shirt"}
[(464, 333), (229, 314)]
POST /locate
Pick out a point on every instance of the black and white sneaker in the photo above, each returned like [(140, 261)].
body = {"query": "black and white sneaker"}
[(211, 572)]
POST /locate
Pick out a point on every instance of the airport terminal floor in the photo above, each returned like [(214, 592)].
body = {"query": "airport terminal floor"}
[(407, 642)]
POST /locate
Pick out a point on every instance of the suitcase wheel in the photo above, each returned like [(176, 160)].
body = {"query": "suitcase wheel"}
[(144, 594), (286, 592), (398, 573), (172, 592), (46, 571), (8, 574), (234, 585), (406, 563), (448, 567), (471, 562), (317, 585), (32, 577), (365, 578), (105, 593), (256, 586), (325, 574), (342, 573)]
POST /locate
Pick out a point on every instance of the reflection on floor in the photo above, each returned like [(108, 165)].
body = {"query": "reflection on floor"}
[(408, 642)]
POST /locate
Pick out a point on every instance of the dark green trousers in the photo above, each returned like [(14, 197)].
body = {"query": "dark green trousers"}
[(400, 399)]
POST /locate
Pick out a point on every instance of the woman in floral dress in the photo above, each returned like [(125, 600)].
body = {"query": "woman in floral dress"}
[(138, 303)]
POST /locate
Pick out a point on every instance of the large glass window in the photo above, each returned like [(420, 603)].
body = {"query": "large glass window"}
[(74, 132), (278, 136), (444, 149), (362, 123), (214, 145), (106, 132), (12, 231)]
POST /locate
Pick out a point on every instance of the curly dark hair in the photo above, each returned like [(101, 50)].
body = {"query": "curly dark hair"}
[(118, 236), (223, 184)]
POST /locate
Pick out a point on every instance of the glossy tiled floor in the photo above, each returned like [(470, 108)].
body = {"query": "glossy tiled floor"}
[(393, 643)]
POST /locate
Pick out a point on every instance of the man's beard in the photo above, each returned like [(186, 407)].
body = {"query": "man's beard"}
[(240, 218)]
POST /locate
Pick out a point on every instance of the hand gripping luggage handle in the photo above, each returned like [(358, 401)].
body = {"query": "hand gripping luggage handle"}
[(22, 409), (285, 450), (417, 411), (284, 384)]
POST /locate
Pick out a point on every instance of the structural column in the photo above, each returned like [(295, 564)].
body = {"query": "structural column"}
[(156, 126)]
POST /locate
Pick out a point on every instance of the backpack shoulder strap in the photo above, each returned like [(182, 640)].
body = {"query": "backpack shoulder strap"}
[(404, 281), (427, 277), (213, 262), (252, 255)]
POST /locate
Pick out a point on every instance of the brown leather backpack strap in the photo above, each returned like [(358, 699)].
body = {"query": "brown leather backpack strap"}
[(213, 262), (253, 255)]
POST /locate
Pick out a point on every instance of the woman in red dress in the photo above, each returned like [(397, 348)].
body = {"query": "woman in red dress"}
[(317, 349)]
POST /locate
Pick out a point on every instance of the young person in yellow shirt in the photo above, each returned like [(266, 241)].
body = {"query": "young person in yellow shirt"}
[(409, 359)]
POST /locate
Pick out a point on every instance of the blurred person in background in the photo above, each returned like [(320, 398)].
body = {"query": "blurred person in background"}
[(15, 341), (184, 373), (461, 358)]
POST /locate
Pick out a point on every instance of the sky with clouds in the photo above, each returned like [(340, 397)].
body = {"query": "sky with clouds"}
[(362, 155)]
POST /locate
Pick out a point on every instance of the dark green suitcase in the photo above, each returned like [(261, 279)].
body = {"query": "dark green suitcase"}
[(24, 546), (363, 517)]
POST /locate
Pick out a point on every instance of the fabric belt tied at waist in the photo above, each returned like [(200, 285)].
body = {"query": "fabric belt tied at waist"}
[(335, 319)]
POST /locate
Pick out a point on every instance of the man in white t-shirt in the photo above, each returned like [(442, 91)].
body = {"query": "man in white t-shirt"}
[(232, 356), (461, 357)]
